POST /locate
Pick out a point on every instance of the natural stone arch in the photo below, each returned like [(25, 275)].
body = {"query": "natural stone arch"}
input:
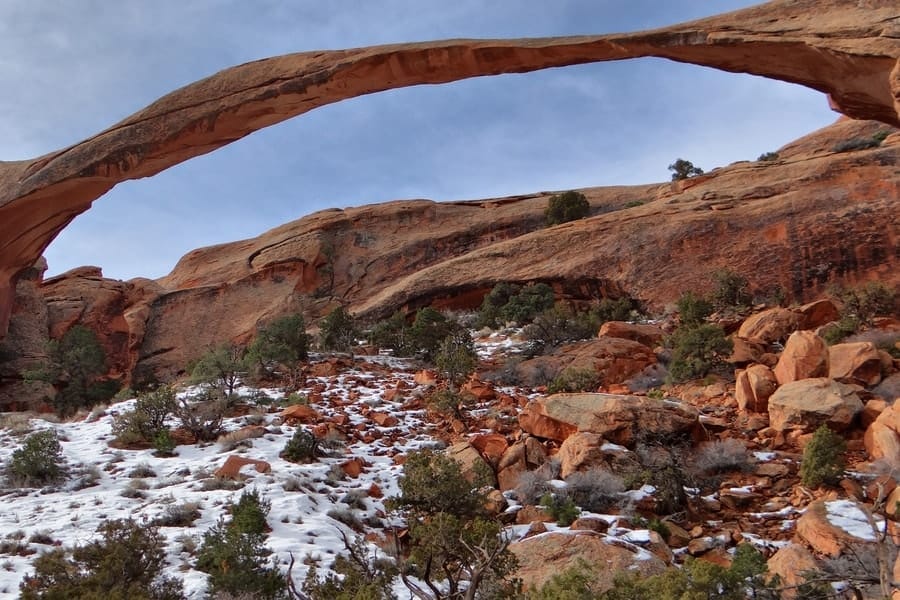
[(841, 48)]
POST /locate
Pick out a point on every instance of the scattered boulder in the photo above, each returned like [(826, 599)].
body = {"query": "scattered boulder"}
[(818, 313), (892, 504), (618, 418), (652, 541), (543, 556), (481, 391), (231, 469), (492, 446), (871, 411), (614, 359), (805, 404), (642, 333), (580, 452), (425, 377), (805, 355), (753, 388), (882, 437), (524, 455), (353, 467), (889, 388), (496, 502), (772, 325), (533, 514), (589, 524), (790, 562), (855, 362), (300, 413), (745, 352), (704, 544), (472, 463), (832, 526), (384, 419), (535, 528)]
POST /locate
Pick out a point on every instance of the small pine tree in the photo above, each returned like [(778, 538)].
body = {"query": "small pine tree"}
[(235, 556), (489, 314), (126, 562), (283, 342), (77, 361), (433, 482), (823, 458), (560, 324), (39, 461), (565, 207), (429, 329), (303, 447), (337, 331), (456, 359), (578, 582), (862, 304), (354, 576), (451, 541), (732, 290), (561, 507), (393, 333), (164, 444), (148, 419), (692, 309), (221, 367), (697, 350), (534, 298), (683, 169)]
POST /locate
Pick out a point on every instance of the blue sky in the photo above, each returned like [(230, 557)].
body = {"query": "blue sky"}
[(70, 69)]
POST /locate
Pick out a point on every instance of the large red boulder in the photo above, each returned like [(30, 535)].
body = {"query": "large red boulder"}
[(753, 387), (882, 437), (855, 362), (772, 325), (805, 355), (642, 333), (618, 418), (543, 556), (806, 404), (231, 469), (818, 313), (837, 526)]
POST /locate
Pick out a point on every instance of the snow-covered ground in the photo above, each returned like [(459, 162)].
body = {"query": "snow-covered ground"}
[(301, 495), (101, 484)]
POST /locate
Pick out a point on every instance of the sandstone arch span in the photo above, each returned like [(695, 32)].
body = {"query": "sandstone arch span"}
[(844, 48)]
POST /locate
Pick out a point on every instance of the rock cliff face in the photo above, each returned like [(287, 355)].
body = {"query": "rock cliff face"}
[(811, 218), (848, 50)]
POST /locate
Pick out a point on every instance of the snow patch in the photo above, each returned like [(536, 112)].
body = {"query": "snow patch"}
[(846, 515)]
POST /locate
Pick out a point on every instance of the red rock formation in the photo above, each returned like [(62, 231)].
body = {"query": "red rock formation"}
[(618, 418), (783, 223), (805, 355), (786, 226), (231, 469), (847, 50), (543, 556)]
